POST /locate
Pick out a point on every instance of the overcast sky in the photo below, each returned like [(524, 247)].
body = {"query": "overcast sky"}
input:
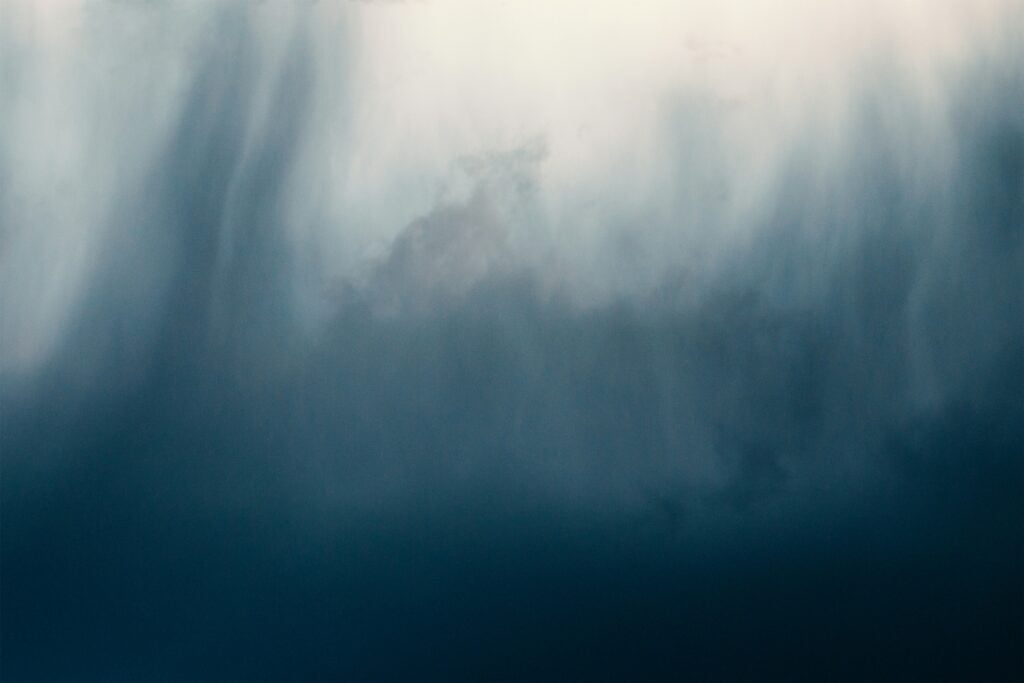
[(524, 340)]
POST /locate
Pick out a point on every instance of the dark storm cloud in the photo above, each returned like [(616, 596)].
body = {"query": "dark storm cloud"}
[(803, 464)]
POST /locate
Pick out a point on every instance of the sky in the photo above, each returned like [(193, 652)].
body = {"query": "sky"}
[(451, 340)]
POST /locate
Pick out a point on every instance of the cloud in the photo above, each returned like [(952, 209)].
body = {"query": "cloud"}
[(339, 389), (441, 256)]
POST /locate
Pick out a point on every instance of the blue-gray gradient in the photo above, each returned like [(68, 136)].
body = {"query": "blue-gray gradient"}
[(512, 341)]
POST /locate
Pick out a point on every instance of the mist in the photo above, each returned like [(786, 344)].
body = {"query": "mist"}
[(450, 340)]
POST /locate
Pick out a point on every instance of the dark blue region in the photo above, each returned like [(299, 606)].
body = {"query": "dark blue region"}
[(120, 563), (113, 571)]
